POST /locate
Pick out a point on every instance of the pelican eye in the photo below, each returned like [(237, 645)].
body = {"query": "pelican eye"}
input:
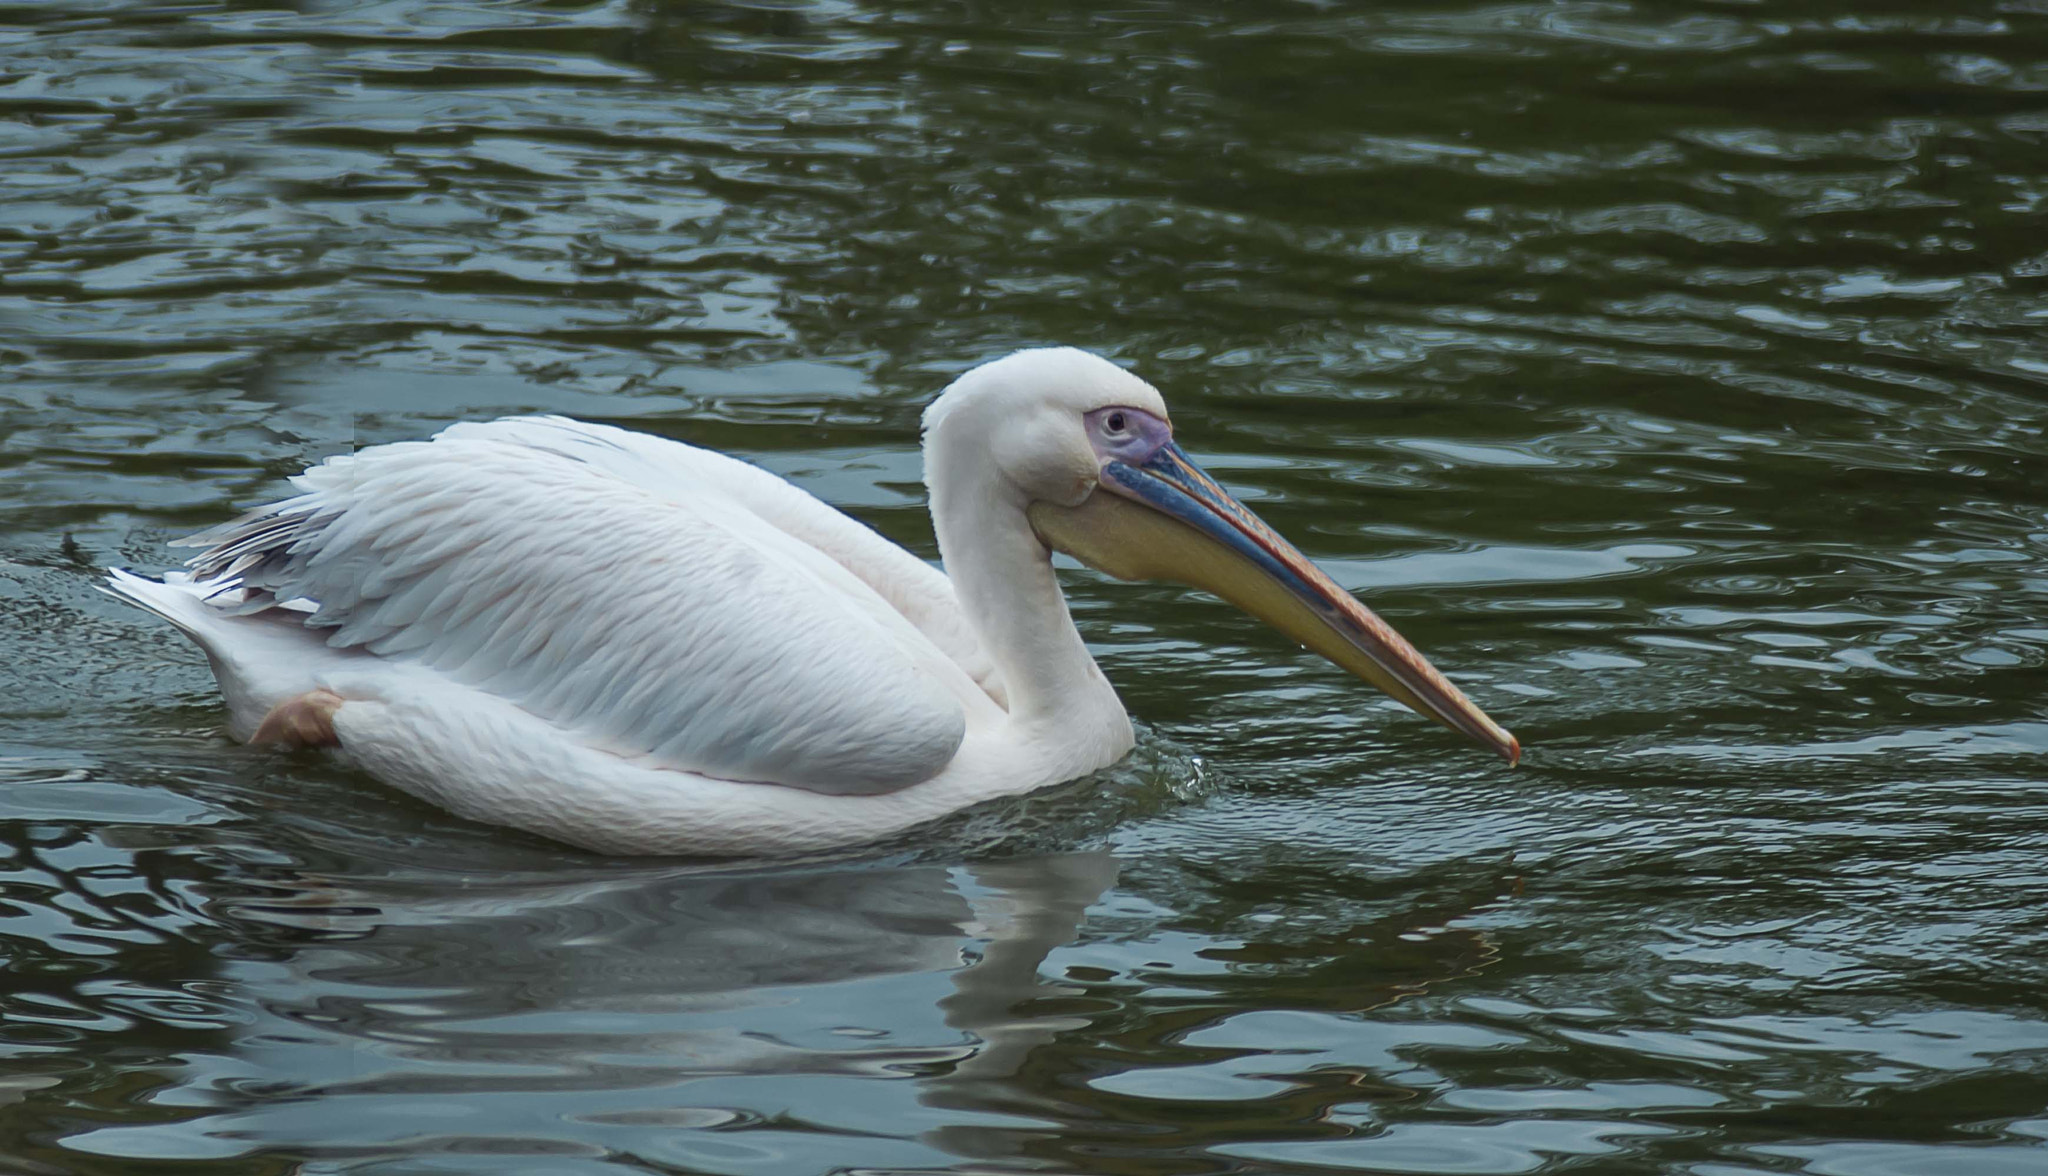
[(1116, 422)]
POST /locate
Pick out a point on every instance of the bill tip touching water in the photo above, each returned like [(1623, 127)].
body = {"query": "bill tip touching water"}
[(636, 645)]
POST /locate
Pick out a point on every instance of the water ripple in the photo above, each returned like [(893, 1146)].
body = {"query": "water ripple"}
[(1671, 375)]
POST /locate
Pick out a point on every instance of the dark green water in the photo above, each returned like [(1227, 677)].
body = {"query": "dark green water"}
[(1673, 373)]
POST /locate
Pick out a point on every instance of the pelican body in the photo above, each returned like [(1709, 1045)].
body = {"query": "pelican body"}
[(638, 646)]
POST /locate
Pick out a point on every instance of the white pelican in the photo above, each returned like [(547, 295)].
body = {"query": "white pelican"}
[(637, 646)]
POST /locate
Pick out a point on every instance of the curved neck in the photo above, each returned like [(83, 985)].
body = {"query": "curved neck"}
[(1004, 578)]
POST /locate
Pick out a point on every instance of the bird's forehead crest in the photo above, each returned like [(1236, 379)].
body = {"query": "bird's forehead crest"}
[(1062, 377)]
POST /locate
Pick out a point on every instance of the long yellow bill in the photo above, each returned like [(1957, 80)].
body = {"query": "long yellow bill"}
[(1162, 518)]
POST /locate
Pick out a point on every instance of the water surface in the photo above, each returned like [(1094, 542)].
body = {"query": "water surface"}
[(1672, 372)]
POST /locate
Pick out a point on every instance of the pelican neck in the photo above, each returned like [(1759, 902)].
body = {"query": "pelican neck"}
[(1004, 578)]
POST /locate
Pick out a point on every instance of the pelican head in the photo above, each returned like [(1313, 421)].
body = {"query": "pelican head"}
[(1086, 450)]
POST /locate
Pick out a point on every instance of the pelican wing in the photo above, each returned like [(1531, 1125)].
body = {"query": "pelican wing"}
[(919, 592), (641, 605)]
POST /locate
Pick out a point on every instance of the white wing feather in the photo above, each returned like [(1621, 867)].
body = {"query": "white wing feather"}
[(919, 592), (658, 600)]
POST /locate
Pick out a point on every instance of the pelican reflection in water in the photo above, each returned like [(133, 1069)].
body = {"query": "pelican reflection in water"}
[(638, 646)]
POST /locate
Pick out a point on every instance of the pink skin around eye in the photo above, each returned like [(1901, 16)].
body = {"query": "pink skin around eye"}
[(1143, 435)]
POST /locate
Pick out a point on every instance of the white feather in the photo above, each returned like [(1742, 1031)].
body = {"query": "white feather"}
[(537, 572), (629, 643)]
